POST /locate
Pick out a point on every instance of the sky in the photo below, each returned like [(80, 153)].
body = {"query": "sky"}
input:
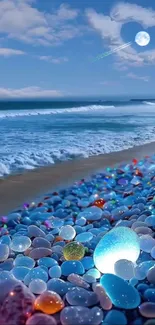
[(47, 48)]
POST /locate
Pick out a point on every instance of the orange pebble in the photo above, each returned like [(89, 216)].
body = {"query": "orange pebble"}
[(58, 238), (49, 302), (99, 203)]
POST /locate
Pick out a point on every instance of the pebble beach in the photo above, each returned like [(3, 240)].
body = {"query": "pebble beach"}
[(83, 254)]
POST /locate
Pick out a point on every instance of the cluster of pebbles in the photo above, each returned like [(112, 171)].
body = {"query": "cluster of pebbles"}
[(68, 260)]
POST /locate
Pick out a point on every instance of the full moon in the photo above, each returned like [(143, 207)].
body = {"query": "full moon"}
[(142, 38)]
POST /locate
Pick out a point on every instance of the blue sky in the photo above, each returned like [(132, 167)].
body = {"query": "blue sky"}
[(47, 47)]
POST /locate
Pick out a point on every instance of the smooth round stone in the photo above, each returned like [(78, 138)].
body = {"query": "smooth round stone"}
[(19, 272), (24, 261), (59, 286), (94, 273), (114, 317), (73, 251), (121, 293), (49, 302), (41, 242), (142, 269), (34, 231), (39, 319), (93, 213), (84, 237), (143, 230), (81, 297), (37, 286), (81, 222), (4, 252), (89, 278), (151, 275), (147, 309), (47, 261), (38, 253), (36, 273), (147, 243), (67, 232), (69, 267), (138, 224), (81, 316), (87, 262), (149, 295), (20, 244), (124, 269), (55, 271), (119, 243), (78, 281), (104, 300)]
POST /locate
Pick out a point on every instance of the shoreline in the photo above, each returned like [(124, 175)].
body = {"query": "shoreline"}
[(15, 190)]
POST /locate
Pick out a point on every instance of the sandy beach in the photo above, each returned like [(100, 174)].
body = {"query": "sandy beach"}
[(18, 189)]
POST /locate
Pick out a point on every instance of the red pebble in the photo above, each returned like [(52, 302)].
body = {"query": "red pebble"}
[(17, 307), (135, 161), (99, 203)]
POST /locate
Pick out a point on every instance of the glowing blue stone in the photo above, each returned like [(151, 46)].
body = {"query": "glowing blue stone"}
[(67, 232), (121, 293), (118, 244)]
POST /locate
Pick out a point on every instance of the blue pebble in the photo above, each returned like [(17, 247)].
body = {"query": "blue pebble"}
[(19, 272), (84, 237), (36, 273), (114, 317), (69, 267), (121, 293), (55, 271), (149, 294), (59, 286), (87, 262), (47, 261), (5, 240), (25, 261)]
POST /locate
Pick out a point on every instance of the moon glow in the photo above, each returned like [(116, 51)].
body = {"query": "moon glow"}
[(142, 38)]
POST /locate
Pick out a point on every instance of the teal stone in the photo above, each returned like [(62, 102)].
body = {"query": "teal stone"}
[(19, 272), (20, 244), (118, 244), (5, 240), (55, 271), (121, 293), (24, 261), (69, 267), (94, 273), (47, 261)]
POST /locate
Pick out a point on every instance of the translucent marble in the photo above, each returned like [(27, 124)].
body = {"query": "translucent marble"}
[(73, 251), (67, 232), (4, 252), (119, 243), (20, 244)]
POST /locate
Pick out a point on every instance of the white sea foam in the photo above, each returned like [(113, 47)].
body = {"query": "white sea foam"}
[(149, 103), (32, 112)]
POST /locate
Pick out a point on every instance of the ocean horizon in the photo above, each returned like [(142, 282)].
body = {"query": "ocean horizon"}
[(39, 133)]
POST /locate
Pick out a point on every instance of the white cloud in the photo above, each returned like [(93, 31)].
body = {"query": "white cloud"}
[(53, 60), (6, 52), (29, 92), (21, 20), (109, 27), (134, 76)]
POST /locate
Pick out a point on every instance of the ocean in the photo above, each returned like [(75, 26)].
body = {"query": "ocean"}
[(34, 134)]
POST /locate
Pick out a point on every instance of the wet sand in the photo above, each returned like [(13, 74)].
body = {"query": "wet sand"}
[(18, 189)]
